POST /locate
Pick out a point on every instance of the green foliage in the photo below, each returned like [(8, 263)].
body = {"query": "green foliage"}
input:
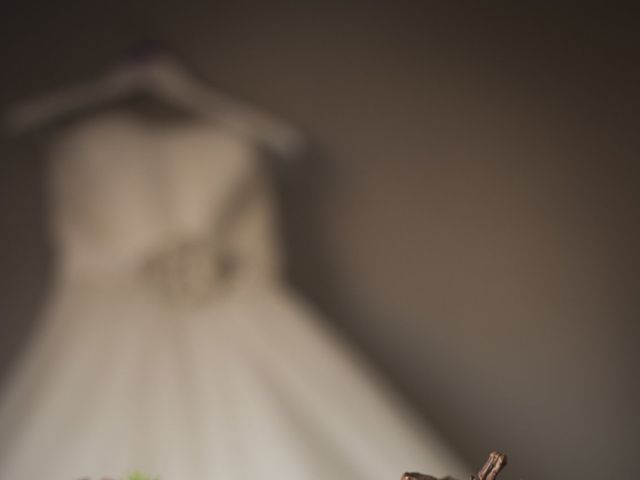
[(140, 476)]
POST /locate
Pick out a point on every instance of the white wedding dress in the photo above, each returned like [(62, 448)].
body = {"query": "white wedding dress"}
[(170, 345)]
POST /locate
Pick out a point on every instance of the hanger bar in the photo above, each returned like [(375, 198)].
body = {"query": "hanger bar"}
[(165, 78)]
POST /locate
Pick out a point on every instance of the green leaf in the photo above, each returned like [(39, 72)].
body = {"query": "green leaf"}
[(140, 476)]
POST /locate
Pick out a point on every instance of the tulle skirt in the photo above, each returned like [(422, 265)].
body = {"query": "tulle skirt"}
[(248, 384)]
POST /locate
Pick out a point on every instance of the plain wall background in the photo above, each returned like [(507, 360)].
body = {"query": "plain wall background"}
[(469, 214)]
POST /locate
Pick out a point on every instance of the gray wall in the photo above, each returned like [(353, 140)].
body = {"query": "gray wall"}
[(469, 214)]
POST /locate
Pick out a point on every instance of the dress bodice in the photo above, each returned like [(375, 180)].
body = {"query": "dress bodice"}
[(127, 194)]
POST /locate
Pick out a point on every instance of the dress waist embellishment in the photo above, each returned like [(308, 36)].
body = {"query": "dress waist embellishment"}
[(189, 273)]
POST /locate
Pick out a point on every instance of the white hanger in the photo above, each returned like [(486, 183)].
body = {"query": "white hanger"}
[(163, 76)]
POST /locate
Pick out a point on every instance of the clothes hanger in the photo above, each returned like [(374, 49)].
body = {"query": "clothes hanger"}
[(163, 76)]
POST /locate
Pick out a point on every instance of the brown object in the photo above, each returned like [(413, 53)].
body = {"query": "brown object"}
[(496, 462)]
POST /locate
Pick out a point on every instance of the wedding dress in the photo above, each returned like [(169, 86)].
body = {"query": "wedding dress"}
[(170, 343)]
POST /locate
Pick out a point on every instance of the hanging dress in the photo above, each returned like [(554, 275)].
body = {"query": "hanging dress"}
[(170, 343)]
